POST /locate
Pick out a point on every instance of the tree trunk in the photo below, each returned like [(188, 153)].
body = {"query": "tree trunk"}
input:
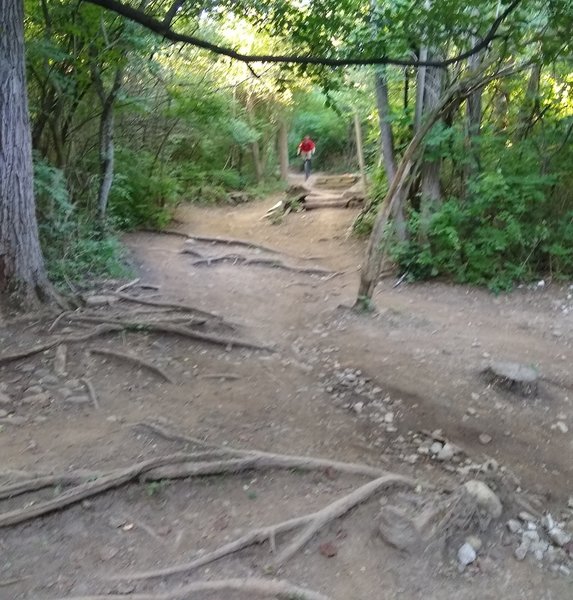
[(283, 150), (430, 189), (387, 147), (259, 169), (23, 279), (530, 106), (377, 242), (473, 125), (106, 146), (360, 151)]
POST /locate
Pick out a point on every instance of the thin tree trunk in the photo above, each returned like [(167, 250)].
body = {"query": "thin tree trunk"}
[(283, 150), (106, 145), (360, 151), (530, 106), (387, 151), (259, 170), (473, 125), (23, 279)]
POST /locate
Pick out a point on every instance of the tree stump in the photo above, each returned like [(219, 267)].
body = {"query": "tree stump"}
[(515, 377)]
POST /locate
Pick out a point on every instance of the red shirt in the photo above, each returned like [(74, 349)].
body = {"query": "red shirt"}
[(306, 146)]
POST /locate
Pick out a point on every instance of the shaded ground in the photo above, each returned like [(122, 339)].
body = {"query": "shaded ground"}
[(327, 392)]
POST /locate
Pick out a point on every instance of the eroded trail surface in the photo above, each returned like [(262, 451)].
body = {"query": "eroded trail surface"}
[(400, 390)]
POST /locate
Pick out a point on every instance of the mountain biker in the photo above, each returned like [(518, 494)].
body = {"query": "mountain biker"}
[(306, 149)]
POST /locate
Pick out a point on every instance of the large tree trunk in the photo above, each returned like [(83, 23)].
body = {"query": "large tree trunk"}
[(283, 150), (430, 83), (473, 125), (23, 280)]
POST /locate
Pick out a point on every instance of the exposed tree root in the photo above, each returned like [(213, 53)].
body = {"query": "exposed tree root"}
[(237, 259), (116, 325), (337, 509), (133, 359), (275, 588), (91, 391), (256, 536), (126, 286), (190, 321), (306, 463), (71, 339), (85, 490), (232, 242), (162, 304), (230, 376)]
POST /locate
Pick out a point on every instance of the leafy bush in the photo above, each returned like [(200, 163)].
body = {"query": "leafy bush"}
[(73, 249), (143, 193), (506, 231)]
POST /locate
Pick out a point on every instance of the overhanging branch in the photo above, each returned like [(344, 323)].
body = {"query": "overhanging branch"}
[(163, 28)]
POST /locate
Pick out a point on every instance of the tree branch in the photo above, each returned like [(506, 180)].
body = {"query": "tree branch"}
[(163, 28)]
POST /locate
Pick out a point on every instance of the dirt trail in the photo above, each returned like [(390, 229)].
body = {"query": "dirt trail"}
[(420, 357)]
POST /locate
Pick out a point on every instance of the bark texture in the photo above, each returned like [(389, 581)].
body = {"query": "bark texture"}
[(23, 280), (387, 151)]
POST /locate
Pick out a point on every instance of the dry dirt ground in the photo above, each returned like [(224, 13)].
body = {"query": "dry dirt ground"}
[(372, 389)]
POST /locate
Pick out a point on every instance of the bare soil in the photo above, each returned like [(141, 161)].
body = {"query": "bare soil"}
[(325, 391)]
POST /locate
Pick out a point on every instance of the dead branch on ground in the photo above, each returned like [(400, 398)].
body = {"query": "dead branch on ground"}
[(275, 588), (133, 359), (126, 286)]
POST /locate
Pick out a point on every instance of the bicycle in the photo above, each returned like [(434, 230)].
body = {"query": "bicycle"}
[(307, 168)]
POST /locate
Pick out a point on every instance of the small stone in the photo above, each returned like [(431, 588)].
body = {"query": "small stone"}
[(411, 459), (389, 417), (474, 396), (436, 447), (514, 526), (485, 439), (485, 497), (548, 522), (561, 426), (564, 570), (40, 419), (539, 549), (521, 551), (3, 413), (423, 449), (570, 502), (474, 542), (530, 536), (525, 516), (358, 407), (471, 411), (466, 554), (447, 452), (559, 537)]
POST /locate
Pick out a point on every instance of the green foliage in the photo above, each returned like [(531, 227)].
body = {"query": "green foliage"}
[(73, 249), (507, 231), (144, 193)]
